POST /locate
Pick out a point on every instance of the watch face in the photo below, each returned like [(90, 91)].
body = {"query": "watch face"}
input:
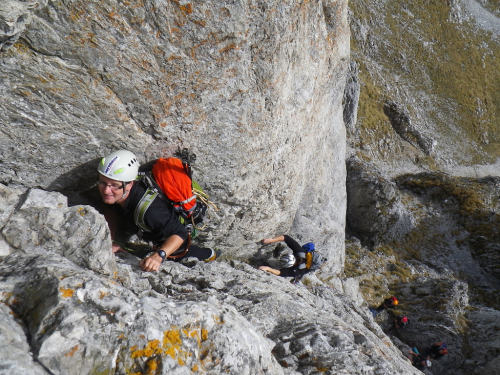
[(162, 254)]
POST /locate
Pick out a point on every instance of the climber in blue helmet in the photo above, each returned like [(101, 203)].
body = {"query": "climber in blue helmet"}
[(437, 350), (303, 260)]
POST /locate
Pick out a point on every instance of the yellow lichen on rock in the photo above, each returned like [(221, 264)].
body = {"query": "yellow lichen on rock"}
[(171, 342), (152, 348), (204, 334), (67, 293)]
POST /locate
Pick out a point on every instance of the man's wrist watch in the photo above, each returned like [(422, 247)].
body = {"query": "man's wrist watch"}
[(162, 254)]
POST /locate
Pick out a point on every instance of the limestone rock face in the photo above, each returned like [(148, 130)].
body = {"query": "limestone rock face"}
[(17, 358), (80, 322), (374, 207), (401, 122), (484, 335), (253, 88), (64, 314), (41, 222), (351, 97), (15, 15)]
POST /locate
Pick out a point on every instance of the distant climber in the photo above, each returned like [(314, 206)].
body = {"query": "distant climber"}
[(418, 360), (388, 303), (118, 186), (437, 350), (401, 321), (304, 259)]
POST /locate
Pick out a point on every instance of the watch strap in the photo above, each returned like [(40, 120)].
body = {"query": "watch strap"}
[(162, 254)]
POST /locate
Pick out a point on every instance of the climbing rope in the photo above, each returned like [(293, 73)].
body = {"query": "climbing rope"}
[(202, 196)]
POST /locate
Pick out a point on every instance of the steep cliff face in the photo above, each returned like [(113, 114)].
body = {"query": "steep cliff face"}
[(438, 64), (253, 88), (422, 183)]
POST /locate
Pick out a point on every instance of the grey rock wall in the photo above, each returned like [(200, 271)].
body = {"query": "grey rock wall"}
[(40, 222), (218, 317), (375, 211), (15, 15), (253, 88), (351, 97)]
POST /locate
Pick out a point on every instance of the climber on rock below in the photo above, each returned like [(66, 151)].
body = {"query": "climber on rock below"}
[(388, 303), (303, 260), (401, 321), (436, 351), (418, 360), (118, 187)]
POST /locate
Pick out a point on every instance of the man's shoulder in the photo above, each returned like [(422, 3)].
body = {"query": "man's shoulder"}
[(135, 201), (135, 195)]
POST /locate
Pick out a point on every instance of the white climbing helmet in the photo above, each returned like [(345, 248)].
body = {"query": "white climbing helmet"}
[(287, 260), (121, 165)]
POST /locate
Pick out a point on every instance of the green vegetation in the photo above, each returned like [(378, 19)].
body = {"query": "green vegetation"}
[(380, 272), (468, 192), (418, 45), (476, 216)]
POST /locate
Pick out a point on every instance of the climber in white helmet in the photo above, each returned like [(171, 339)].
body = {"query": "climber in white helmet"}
[(304, 259), (119, 186)]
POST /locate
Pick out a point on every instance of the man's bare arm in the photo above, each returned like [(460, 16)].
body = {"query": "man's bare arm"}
[(274, 239), (153, 262)]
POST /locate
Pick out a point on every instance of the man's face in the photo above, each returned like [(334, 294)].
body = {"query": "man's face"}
[(112, 191)]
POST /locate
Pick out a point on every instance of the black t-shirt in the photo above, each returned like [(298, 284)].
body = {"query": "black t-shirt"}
[(159, 217), (400, 323), (294, 271), (417, 360), (433, 351), (387, 304)]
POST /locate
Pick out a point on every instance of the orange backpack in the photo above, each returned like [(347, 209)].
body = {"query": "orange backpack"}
[(174, 179), (170, 179)]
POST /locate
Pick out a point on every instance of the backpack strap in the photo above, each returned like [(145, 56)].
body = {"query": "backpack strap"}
[(309, 260), (302, 256), (151, 184), (141, 208), (187, 201)]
